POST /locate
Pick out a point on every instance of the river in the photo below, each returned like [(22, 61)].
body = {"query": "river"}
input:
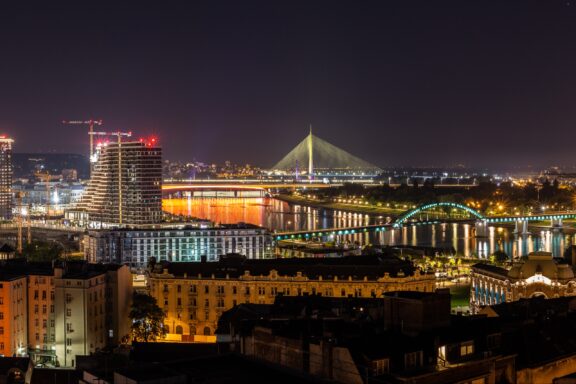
[(277, 215)]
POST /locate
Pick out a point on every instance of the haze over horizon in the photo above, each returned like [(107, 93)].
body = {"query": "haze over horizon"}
[(394, 83)]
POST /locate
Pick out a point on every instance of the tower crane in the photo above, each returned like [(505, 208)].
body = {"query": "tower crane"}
[(29, 225), (90, 123), (119, 135), (19, 221)]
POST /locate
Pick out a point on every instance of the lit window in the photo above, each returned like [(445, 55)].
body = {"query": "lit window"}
[(466, 348), (413, 359), (381, 367)]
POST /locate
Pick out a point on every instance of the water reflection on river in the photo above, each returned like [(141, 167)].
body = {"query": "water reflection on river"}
[(267, 212), (281, 216)]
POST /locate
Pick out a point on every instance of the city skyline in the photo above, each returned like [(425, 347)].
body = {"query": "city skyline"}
[(393, 83), (288, 191)]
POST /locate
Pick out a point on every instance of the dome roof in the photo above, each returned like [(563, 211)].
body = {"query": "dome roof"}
[(541, 263), (565, 272)]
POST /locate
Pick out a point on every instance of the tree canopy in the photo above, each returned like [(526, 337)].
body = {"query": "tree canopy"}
[(147, 318), (42, 251)]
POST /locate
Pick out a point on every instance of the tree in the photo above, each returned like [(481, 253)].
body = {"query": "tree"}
[(500, 256), (147, 318), (42, 251)]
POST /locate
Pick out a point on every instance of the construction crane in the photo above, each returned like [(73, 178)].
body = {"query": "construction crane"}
[(119, 136), (29, 225), (90, 123), (20, 222)]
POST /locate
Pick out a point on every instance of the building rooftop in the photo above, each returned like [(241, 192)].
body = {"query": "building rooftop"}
[(7, 363), (6, 248), (358, 267), (188, 226), (535, 263), (77, 269)]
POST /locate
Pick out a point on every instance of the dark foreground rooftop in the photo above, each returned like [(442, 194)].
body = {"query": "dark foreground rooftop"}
[(233, 265)]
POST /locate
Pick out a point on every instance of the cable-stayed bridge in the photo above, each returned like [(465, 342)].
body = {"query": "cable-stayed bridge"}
[(315, 157)]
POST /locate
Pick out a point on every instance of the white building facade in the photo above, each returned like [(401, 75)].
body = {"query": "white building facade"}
[(136, 246)]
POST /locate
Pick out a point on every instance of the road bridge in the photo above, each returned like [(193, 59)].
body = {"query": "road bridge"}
[(272, 184), (235, 185), (414, 217)]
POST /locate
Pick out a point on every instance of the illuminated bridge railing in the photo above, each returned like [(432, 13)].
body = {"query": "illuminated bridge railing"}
[(550, 216), (307, 235)]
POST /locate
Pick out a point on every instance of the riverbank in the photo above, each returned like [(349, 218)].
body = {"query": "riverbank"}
[(353, 208)]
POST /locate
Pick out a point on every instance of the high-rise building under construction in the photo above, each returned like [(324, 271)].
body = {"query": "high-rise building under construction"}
[(125, 188), (6, 177)]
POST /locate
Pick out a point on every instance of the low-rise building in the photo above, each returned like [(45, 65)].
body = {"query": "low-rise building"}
[(80, 318), (136, 247), (539, 274), (54, 312), (7, 252), (41, 313), (194, 295), (364, 340), (13, 314)]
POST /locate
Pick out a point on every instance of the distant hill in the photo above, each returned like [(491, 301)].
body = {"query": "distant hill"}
[(25, 164)]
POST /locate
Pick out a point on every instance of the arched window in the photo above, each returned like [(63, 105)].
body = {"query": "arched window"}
[(179, 330), (206, 331), (192, 330), (167, 328)]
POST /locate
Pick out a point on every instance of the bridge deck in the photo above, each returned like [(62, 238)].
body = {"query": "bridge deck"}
[(342, 231), (385, 227)]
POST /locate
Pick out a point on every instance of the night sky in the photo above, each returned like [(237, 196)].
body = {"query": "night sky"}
[(394, 82)]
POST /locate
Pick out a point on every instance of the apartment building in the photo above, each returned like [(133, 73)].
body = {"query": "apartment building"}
[(13, 315), (125, 187), (67, 309), (137, 246), (194, 295), (41, 315)]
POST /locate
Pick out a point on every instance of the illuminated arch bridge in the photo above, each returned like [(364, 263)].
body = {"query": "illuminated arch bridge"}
[(408, 218), (403, 219)]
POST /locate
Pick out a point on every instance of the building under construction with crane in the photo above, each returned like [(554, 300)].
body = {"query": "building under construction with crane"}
[(125, 187)]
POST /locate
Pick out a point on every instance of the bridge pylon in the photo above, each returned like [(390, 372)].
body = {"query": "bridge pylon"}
[(481, 228), (521, 227), (556, 223)]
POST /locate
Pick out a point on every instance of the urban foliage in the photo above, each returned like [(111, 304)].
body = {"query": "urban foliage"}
[(42, 251), (147, 318), (487, 197)]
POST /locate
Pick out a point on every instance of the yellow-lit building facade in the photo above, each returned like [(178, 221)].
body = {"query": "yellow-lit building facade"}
[(194, 295), (41, 317), (52, 314), (13, 316)]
